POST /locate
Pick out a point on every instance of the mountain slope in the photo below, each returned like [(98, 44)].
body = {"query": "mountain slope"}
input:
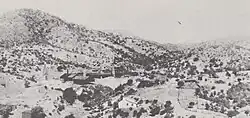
[(37, 50), (231, 54), (28, 28)]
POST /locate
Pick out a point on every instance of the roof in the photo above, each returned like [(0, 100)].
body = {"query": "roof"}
[(191, 81), (65, 75)]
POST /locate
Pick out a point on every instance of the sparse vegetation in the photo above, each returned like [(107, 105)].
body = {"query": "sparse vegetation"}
[(125, 72)]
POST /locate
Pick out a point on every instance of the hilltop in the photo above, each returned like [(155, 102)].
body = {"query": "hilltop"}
[(30, 28)]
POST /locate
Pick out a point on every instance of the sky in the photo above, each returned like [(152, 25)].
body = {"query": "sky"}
[(163, 21)]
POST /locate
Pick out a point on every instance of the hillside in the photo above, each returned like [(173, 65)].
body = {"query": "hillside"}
[(29, 28), (35, 44), (55, 69)]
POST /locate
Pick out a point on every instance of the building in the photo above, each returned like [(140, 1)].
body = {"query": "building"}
[(77, 78), (191, 84)]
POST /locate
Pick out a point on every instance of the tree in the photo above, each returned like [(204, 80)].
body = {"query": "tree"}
[(200, 77), (168, 108), (61, 107), (26, 84), (207, 106), (235, 72), (239, 80), (157, 81), (69, 95), (242, 104), (130, 82), (192, 116), (115, 105), (60, 69), (70, 116), (109, 103), (6, 112), (168, 104), (124, 114), (228, 74), (232, 113), (135, 113), (213, 87), (37, 112), (197, 92), (180, 84), (191, 105), (196, 59), (222, 110), (169, 116), (247, 112), (155, 111)]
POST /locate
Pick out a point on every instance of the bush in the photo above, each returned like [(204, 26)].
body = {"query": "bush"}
[(119, 88), (26, 84), (169, 116), (70, 116), (37, 112), (191, 105), (145, 83), (155, 111), (200, 78), (231, 114), (135, 113), (69, 95), (154, 101), (130, 82), (115, 105), (180, 84), (140, 102), (192, 116), (213, 87), (242, 104), (219, 82), (162, 112), (222, 110), (6, 112), (168, 108), (157, 81), (61, 107), (207, 106), (196, 59), (124, 114), (109, 103), (228, 74), (60, 69), (246, 112), (84, 97)]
